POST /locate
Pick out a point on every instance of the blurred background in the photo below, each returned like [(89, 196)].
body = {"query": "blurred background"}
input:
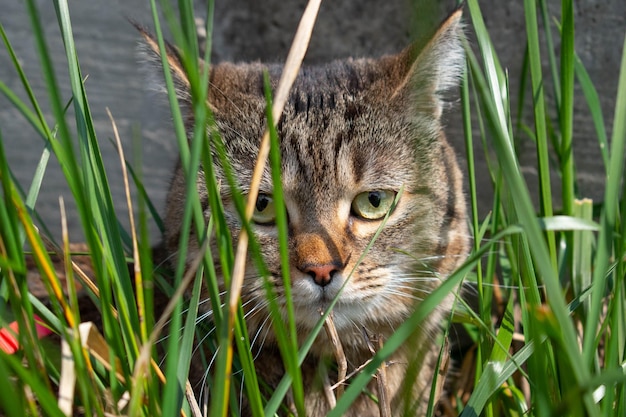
[(247, 30)]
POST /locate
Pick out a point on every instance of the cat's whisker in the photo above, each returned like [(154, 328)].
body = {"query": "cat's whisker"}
[(206, 314), (241, 395), (417, 278), (205, 336), (162, 339), (200, 318), (167, 260), (235, 132), (205, 376), (260, 306), (401, 295), (259, 332)]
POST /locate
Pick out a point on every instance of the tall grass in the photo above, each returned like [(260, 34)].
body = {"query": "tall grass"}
[(573, 325), (562, 276)]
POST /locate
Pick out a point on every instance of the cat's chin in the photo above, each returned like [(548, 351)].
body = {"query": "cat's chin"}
[(345, 316), (350, 312)]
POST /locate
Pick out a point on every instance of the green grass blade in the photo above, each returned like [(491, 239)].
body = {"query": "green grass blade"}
[(537, 82), (64, 152), (40, 171), (500, 351), (595, 108), (31, 117), (471, 174), (141, 191), (582, 252), (566, 110), (609, 215), (36, 120), (554, 69), (494, 376)]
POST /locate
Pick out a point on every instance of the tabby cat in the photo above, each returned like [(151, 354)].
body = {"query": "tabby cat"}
[(354, 134)]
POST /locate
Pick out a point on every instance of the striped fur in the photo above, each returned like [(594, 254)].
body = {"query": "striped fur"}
[(350, 126)]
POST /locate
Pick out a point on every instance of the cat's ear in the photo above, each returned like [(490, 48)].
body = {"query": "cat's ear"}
[(151, 53), (424, 71)]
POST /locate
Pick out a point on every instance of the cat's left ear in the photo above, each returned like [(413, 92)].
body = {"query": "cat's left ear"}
[(425, 70), (152, 55)]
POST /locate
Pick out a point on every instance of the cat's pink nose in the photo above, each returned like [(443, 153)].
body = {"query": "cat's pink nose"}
[(322, 274)]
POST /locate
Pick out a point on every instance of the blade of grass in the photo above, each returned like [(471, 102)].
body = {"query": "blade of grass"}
[(36, 120), (35, 186), (593, 102), (131, 219), (521, 93), (495, 375), (537, 82), (471, 175), (554, 69), (566, 110), (609, 216), (582, 251), (484, 291), (143, 194)]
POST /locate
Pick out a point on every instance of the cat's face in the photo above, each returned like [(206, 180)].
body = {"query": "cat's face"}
[(360, 140)]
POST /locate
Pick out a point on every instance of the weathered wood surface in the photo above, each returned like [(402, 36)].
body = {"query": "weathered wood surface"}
[(254, 30)]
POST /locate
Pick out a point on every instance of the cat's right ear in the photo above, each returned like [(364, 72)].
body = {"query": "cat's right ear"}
[(424, 71), (151, 54)]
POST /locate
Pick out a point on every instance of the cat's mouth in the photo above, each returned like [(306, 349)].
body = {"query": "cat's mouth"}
[(312, 300), (326, 297), (322, 297), (319, 302), (309, 310), (344, 316)]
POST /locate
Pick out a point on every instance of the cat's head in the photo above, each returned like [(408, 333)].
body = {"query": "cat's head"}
[(357, 137)]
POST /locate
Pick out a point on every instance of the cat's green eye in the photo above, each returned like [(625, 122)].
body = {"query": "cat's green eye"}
[(264, 211), (373, 205)]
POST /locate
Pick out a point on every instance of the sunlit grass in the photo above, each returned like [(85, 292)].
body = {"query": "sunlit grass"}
[(560, 278), (564, 312)]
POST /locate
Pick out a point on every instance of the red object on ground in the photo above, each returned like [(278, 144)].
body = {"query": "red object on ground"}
[(8, 340)]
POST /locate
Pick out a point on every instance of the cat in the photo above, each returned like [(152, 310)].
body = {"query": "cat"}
[(355, 133)]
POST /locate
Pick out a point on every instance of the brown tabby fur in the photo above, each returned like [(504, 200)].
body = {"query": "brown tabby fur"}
[(349, 127)]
